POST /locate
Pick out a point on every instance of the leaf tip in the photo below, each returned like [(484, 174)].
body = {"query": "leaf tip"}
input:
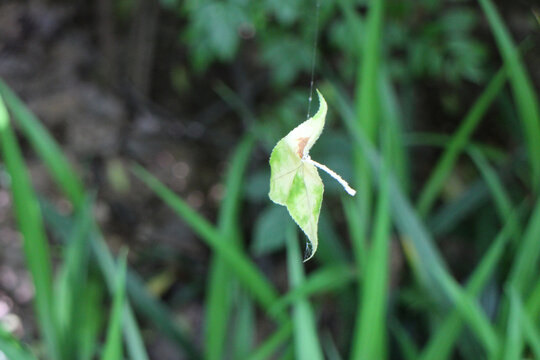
[(309, 252)]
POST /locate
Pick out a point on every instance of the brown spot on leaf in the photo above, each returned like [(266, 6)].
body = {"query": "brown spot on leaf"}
[(302, 142)]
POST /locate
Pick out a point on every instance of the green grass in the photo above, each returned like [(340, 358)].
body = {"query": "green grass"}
[(456, 144), (248, 275), (341, 305), (441, 342), (367, 112), (523, 91), (372, 342), (30, 223), (220, 283), (113, 348), (306, 341), (12, 348), (37, 254)]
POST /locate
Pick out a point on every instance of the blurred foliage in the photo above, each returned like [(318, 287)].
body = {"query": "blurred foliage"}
[(427, 38), (461, 283)]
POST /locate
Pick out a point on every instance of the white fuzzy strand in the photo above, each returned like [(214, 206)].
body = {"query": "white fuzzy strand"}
[(339, 179)]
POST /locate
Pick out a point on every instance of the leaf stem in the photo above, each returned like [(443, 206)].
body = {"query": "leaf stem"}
[(339, 179)]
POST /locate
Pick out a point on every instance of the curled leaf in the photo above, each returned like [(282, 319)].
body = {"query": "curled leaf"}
[(295, 181)]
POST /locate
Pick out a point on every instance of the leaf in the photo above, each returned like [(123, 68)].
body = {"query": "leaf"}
[(30, 223), (269, 232), (113, 350), (295, 183), (294, 179)]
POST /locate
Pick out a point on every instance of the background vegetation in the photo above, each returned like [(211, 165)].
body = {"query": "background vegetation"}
[(134, 139)]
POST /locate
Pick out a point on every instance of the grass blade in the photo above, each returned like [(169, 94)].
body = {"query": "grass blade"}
[(321, 281), (367, 111), (306, 341), (250, 277), (330, 347), (113, 349), (12, 349), (513, 343), (61, 170), (244, 327), (533, 302), (88, 296), (352, 213), (45, 146), (451, 214), (371, 334), (457, 143), (366, 121), (440, 344), (272, 343), (388, 102), (105, 261), (406, 344), (442, 140), (331, 251), (424, 257), (391, 111), (475, 317), (498, 192), (68, 181), (219, 294), (153, 310), (523, 91), (219, 304), (71, 282), (529, 328), (528, 252), (30, 222), (420, 248), (91, 319), (367, 106), (288, 353)]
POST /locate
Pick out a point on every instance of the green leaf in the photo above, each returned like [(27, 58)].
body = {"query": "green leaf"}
[(370, 333), (91, 318), (295, 181), (71, 282), (30, 223), (216, 22), (45, 146), (113, 345), (514, 332), (269, 232), (286, 12)]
